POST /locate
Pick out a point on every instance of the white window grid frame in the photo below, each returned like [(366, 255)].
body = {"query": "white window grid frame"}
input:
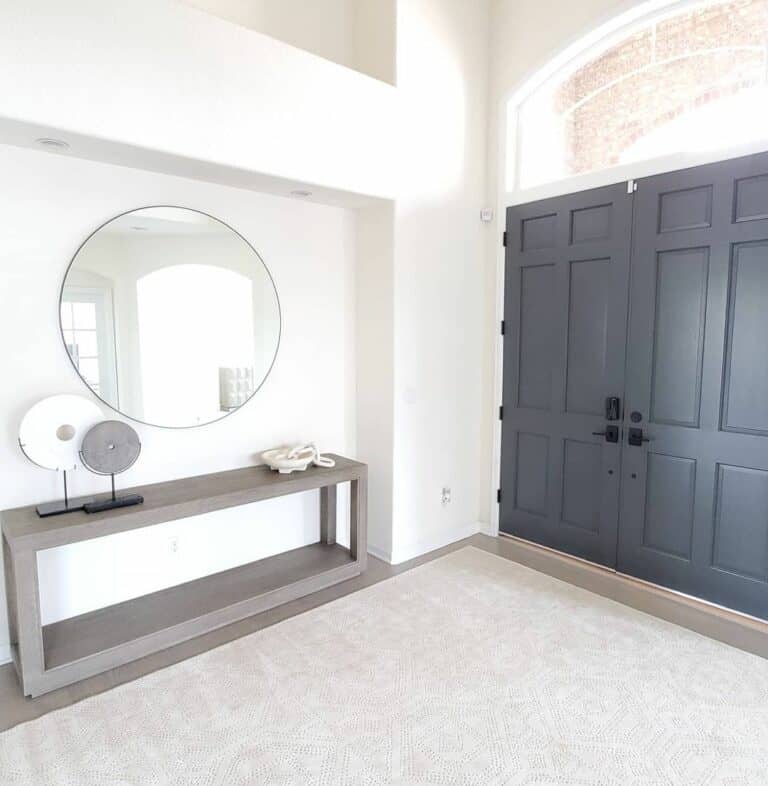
[(102, 298)]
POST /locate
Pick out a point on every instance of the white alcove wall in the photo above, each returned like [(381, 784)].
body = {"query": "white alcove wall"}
[(50, 204), (162, 85), (234, 107), (359, 34)]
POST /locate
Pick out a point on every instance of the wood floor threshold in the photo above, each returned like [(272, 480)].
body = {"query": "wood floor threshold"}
[(726, 625)]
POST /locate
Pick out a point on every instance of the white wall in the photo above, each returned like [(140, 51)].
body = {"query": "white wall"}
[(374, 35), (442, 81), (374, 365), (244, 101), (355, 33), (215, 92), (526, 34), (323, 27), (49, 204)]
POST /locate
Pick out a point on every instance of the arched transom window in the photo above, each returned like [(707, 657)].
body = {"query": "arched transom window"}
[(692, 79)]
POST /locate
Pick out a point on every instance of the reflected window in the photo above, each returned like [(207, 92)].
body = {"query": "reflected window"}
[(691, 80), (86, 322), (196, 324)]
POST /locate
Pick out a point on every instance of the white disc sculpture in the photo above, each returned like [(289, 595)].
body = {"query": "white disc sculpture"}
[(50, 435)]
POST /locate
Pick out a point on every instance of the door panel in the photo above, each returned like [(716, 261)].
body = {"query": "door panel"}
[(567, 272), (532, 476), (678, 335), (694, 503), (746, 394), (582, 484), (588, 302), (739, 546), (751, 198), (669, 503), (536, 337)]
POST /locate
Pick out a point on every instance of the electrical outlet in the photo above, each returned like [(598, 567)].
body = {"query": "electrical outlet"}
[(173, 544), (446, 495)]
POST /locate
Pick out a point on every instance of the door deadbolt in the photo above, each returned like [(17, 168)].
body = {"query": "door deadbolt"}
[(613, 408)]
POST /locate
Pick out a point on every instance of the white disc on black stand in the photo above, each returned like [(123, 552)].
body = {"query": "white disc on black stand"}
[(109, 448), (50, 435)]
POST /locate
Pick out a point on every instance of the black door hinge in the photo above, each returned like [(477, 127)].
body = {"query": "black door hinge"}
[(498, 495), (501, 413), (503, 327), (504, 239)]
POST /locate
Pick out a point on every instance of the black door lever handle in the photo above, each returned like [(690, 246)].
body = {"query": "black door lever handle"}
[(636, 437), (611, 434)]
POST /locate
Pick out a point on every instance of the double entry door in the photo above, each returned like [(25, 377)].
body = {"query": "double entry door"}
[(635, 404)]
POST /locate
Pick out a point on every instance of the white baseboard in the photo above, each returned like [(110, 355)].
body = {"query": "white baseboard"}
[(5, 653), (420, 547), (487, 528), (381, 554)]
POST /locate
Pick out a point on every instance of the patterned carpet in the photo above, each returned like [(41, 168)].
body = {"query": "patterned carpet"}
[(468, 670)]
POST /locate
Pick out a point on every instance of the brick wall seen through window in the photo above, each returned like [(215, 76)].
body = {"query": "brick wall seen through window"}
[(693, 79)]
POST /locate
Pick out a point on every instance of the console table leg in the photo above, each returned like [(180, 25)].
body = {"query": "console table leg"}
[(358, 544), (10, 595), (29, 631), (328, 514)]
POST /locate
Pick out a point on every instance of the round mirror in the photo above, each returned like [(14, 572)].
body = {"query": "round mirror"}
[(170, 316)]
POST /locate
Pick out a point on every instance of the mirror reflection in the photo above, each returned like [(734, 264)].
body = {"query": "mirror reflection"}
[(170, 316)]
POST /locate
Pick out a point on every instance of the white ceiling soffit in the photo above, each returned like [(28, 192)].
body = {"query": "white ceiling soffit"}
[(20, 134)]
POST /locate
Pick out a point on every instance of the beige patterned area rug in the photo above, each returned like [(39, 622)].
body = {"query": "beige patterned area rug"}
[(468, 670)]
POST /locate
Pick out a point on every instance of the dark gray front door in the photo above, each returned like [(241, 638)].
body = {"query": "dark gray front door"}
[(694, 509), (567, 269)]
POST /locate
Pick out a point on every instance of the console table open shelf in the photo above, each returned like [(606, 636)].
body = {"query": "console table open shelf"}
[(51, 656)]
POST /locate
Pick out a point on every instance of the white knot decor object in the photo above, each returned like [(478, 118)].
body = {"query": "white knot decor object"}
[(295, 459)]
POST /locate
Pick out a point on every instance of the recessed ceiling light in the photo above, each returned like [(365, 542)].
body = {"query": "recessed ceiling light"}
[(301, 193), (58, 144)]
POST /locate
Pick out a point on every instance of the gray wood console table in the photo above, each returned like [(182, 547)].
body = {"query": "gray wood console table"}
[(51, 656)]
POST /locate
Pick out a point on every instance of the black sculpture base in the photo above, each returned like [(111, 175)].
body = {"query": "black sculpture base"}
[(113, 502), (62, 506)]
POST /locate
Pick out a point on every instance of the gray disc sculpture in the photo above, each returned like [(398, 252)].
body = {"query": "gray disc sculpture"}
[(109, 448)]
